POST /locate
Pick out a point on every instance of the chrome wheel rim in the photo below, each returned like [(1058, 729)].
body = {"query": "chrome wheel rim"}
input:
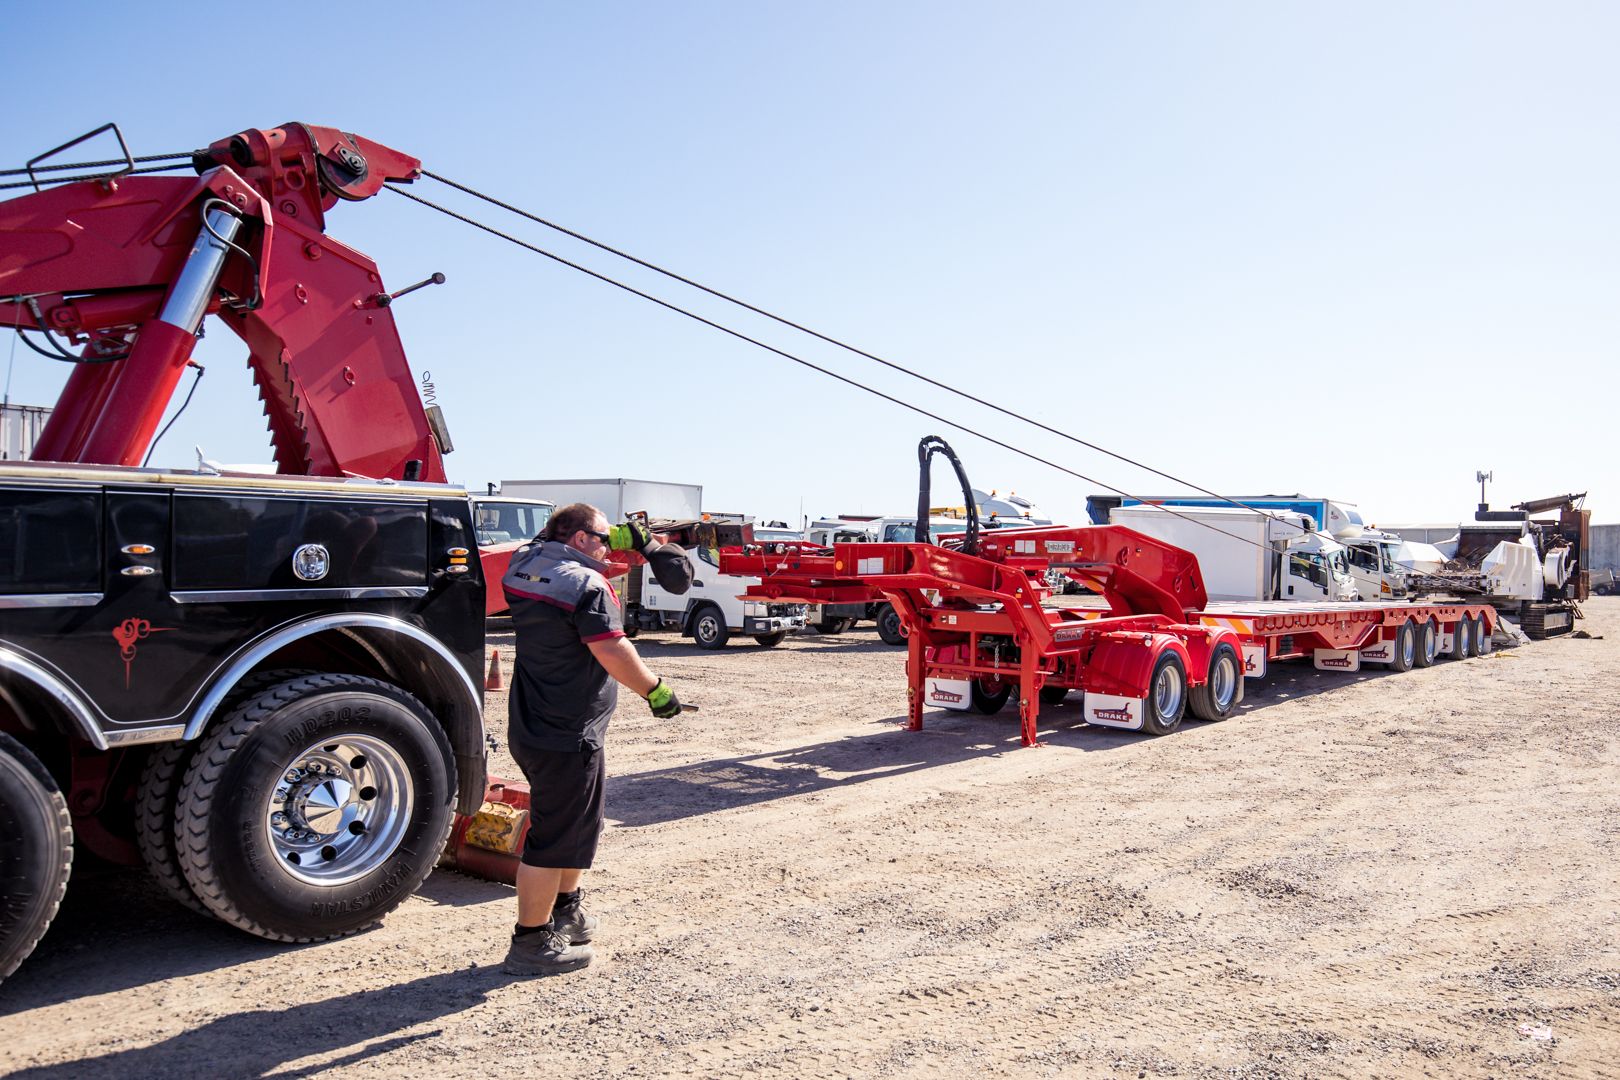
[(1167, 689), (340, 809), (1223, 682), (1408, 647), (1431, 641), (708, 627)]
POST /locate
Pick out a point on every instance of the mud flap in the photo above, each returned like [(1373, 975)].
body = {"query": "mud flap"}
[(1254, 661), (948, 693), (1111, 711), (1381, 653), (1338, 660)]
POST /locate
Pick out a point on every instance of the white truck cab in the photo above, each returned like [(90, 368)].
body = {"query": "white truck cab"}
[(1373, 565), (713, 609)]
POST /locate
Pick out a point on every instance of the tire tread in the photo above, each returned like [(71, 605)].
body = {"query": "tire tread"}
[(197, 791), (64, 836)]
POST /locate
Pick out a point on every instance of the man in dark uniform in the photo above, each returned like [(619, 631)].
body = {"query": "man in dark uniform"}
[(572, 654)]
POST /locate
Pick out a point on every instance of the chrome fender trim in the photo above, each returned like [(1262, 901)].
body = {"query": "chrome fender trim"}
[(58, 691), (250, 657)]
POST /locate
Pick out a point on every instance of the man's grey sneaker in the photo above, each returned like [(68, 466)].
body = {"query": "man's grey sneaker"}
[(545, 952), (572, 923)]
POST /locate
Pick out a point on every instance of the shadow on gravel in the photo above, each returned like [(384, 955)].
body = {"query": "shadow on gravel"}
[(117, 911), (152, 938), (705, 787), (259, 1042)]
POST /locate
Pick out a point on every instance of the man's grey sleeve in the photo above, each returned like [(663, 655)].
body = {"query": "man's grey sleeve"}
[(670, 566)]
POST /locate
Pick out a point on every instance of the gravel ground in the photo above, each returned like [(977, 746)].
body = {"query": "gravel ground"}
[(1359, 875)]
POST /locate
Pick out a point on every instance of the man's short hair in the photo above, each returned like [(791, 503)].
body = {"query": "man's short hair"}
[(569, 520)]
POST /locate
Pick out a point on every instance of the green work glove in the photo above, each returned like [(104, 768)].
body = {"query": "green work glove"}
[(663, 702), (631, 536)]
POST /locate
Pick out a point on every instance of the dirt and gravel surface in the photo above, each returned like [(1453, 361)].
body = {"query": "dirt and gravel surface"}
[(1360, 875)]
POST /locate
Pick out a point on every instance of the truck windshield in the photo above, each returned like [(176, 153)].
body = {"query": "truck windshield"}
[(1310, 567), (899, 534), (500, 522)]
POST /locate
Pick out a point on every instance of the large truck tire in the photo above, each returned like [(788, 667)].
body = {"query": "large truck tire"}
[(159, 788), (889, 626), (989, 695), (773, 639), (1462, 638), (1404, 654), (709, 628), (834, 626), (316, 807), (1428, 644), (1166, 700), (36, 851), (1222, 691), (1053, 695)]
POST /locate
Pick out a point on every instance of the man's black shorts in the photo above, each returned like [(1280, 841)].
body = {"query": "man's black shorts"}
[(565, 805)]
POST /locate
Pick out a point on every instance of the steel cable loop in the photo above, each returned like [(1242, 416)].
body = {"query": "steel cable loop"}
[(800, 360), (93, 176), (188, 154), (839, 344)]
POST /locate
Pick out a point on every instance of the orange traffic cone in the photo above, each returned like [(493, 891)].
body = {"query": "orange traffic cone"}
[(494, 680)]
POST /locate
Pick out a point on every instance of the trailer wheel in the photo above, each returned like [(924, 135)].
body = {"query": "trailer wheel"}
[(989, 695), (1404, 654), (1167, 695), (1053, 695), (770, 641), (1222, 691), (36, 851), (1483, 639), (159, 787), (316, 807), (709, 628), (889, 626), (1428, 643), (1462, 639)]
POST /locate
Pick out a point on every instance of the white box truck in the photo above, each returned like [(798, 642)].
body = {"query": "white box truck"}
[(713, 609), (616, 497), (1249, 556), (1371, 552)]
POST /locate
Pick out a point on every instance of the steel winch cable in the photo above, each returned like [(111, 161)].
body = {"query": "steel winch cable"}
[(784, 321), (959, 426)]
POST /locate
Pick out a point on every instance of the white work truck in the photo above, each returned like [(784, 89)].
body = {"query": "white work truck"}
[(712, 611), (1248, 556)]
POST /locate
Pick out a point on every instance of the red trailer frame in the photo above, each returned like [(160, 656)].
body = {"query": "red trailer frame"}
[(978, 629)]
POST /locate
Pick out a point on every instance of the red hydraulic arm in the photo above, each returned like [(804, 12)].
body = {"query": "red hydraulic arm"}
[(128, 267)]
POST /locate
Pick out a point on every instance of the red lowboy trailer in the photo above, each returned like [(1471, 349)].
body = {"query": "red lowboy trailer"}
[(979, 631)]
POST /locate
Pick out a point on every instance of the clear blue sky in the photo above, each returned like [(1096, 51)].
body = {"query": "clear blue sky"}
[(1252, 244)]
